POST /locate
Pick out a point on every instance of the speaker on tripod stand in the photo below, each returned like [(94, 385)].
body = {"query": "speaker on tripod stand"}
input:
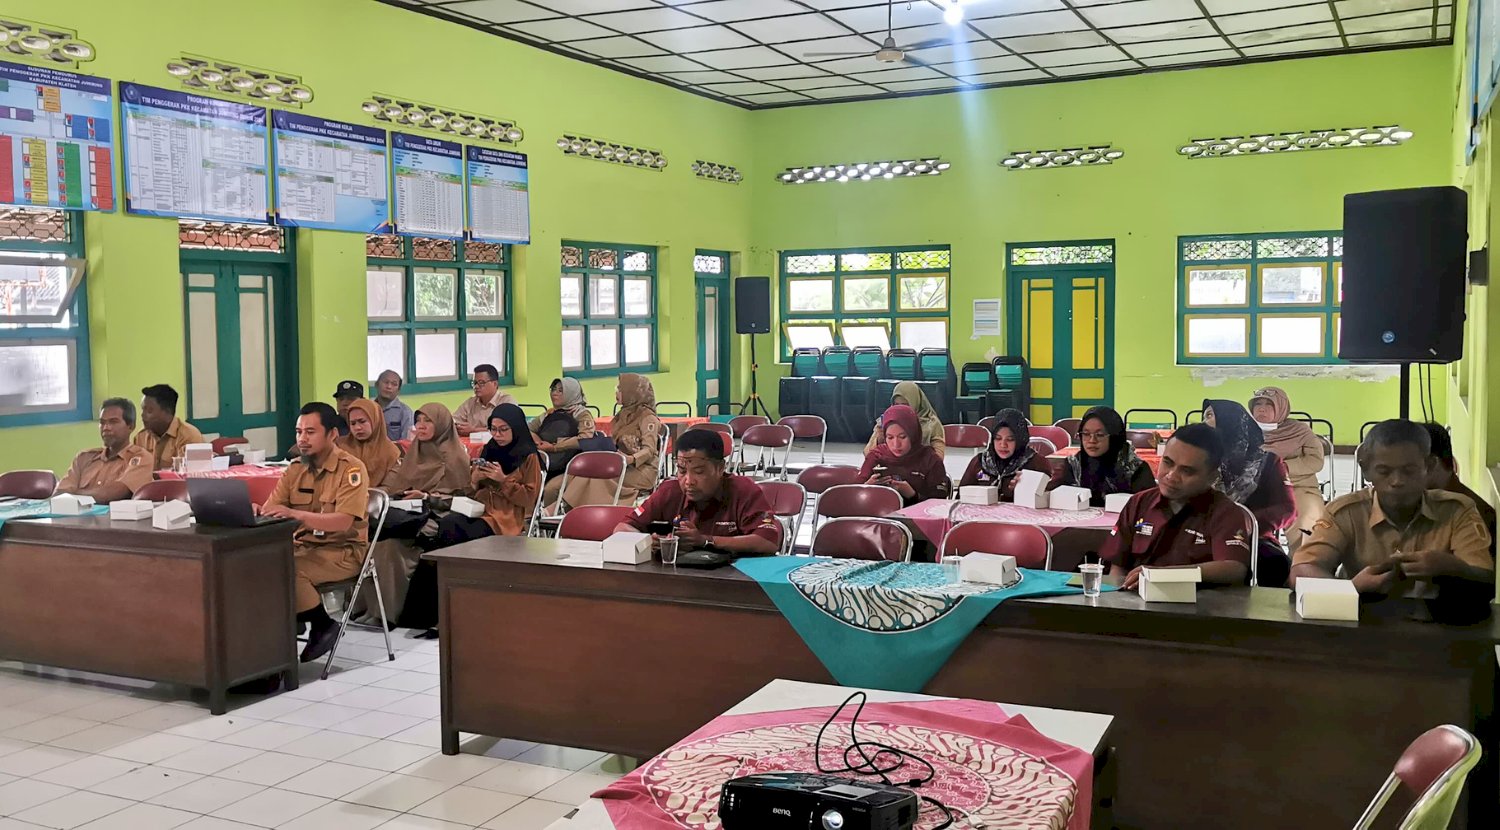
[(752, 316)]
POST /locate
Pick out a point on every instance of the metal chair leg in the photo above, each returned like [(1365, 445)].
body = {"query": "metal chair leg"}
[(343, 624), (385, 626)]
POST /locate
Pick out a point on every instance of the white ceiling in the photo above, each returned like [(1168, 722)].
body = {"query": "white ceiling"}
[(753, 53)]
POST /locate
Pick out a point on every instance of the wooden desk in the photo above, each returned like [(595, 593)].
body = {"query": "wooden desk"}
[(1088, 731), (206, 607), (1234, 708)]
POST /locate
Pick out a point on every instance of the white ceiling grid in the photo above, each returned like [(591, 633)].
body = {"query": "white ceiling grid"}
[(754, 53)]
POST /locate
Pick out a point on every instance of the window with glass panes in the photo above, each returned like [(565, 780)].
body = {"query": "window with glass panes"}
[(44, 337), (885, 297), (1270, 298), (608, 308), (437, 308)]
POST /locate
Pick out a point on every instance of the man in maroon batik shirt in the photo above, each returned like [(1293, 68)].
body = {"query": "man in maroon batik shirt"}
[(706, 507), (1182, 521)]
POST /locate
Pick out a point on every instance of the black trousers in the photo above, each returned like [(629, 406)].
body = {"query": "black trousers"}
[(421, 608)]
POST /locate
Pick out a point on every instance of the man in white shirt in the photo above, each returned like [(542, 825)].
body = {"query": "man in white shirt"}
[(473, 415)]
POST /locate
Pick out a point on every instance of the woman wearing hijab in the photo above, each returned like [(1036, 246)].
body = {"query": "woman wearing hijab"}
[(1300, 448), (506, 480), (903, 462), (637, 434), (909, 394), (367, 440), (1106, 463), (1008, 453), (1256, 479), (558, 430)]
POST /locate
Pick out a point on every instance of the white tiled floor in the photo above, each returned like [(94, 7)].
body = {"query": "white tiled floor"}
[(354, 752)]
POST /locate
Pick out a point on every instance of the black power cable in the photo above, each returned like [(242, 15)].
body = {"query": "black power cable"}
[(894, 759)]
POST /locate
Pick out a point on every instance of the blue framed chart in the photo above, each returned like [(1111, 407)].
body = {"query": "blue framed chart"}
[(330, 174), (56, 135), (499, 198), (187, 155), (429, 186)]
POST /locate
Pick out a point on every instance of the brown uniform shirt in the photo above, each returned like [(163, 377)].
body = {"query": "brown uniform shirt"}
[(169, 446), (339, 485), (1355, 533), (94, 468)]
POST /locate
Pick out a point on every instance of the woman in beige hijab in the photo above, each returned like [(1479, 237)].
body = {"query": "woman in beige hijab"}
[(367, 441), (637, 435), (1301, 449)]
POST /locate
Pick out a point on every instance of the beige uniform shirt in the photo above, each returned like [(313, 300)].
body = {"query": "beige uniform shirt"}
[(1355, 533), (339, 485), (95, 468), (472, 413), (169, 446)]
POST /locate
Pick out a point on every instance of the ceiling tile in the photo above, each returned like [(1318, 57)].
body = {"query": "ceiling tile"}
[(959, 52), (1175, 47), (796, 27), (698, 39), (1194, 58), (1007, 77), (1047, 43), (816, 83), (775, 98), (664, 63), (563, 28), (982, 66), (976, 9), (742, 87), (852, 65), (1218, 7), (1319, 45), (736, 58), (1138, 12), (1030, 24), (1286, 35), (617, 47), (1318, 13), (1161, 31), (910, 73), (1096, 68), (645, 20), (1397, 36), (1350, 8), (843, 91), (595, 6), (707, 76), (917, 86), (776, 73), (872, 18), (725, 11), (1067, 57), (500, 11), (1383, 22)]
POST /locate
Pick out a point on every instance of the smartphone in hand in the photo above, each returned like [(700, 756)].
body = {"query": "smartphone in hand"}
[(660, 528)]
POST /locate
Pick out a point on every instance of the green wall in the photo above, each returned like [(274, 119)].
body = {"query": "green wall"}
[(1143, 202)]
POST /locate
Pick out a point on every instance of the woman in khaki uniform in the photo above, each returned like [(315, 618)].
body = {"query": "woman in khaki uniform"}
[(637, 434)]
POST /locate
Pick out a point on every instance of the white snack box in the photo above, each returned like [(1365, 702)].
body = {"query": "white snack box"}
[(254, 456), (1070, 498), (174, 515), (1031, 489), (989, 568), (130, 510), (219, 462), (627, 548), (1327, 599), (479, 437), (190, 449), (1170, 584), (198, 458), (1115, 502), (70, 505), (465, 506), (979, 495), (409, 505)]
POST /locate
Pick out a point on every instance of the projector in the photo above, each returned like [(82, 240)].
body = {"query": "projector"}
[(809, 801)]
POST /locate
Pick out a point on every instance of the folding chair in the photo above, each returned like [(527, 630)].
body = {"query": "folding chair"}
[(846, 500), (532, 410), (1433, 770), (592, 522), (788, 501), (1141, 439), (686, 409), (261, 488), (541, 493), (1029, 544), (223, 443), (1171, 418), (1069, 425), (379, 502), (807, 427), (28, 484), (1254, 530), (1057, 435), (595, 464), (167, 489), (1043, 447), (737, 426), (965, 436), (860, 537), (770, 437)]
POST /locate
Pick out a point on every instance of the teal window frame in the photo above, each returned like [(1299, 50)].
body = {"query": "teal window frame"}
[(892, 317), (411, 326), (1254, 309), (586, 320), (77, 331)]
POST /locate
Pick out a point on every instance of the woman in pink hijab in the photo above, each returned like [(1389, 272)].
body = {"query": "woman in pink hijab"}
[(1301, 449)]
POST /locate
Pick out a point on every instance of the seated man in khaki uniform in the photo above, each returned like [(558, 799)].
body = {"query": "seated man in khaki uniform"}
[(327, 492), (1399, 538), (116, 470), (163, 434)]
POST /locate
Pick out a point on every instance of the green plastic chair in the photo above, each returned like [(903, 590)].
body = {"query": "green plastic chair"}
[(1433, 769)]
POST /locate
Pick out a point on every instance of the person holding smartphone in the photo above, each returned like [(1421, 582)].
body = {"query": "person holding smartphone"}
[(903, 462), (705, 507)]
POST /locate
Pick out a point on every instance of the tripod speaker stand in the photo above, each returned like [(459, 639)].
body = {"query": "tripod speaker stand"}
[(753, 405)]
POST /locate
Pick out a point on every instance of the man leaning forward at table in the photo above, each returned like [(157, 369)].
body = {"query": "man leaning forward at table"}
[(707, 507), (117, 469), (327, 493), (1182, 521)]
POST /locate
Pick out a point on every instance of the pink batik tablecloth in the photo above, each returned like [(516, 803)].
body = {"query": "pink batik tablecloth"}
[(931, 517), (242, 471), (996, 769)]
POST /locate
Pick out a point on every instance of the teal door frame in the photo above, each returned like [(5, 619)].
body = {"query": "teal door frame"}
[(717, 404), (1062, 374), (227, 267)]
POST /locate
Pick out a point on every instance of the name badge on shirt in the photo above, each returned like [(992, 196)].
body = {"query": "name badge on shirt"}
[(320, 533), (1198, 538), (1144, 528)]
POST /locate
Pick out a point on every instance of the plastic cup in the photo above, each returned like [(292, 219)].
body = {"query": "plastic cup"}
[(1093, 577), (950, 569), (669, 550)]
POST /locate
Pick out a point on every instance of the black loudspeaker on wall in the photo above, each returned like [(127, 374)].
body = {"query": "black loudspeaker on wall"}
[(752, 305), (1405, 253)]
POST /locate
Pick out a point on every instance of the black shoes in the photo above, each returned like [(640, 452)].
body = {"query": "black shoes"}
[(320, 641)]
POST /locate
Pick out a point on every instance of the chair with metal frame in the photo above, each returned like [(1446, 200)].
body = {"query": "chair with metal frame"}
[(737, 426), (807, 427), (846, 500), (863, 537), (1042, 446), (1432, 769), (1171, 416), (687, 409), (965, 436), (1029, 544), (28, 484), (1141, 439), (788, 502), (593, 522), (1057, 435), (1070, 426), (532, 410), (375, 508), (1253, 543), (769, 437), (595, 464), (541, 494), (261, 488)]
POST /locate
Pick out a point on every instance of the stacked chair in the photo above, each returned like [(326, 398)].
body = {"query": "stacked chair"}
[(849, 388), (1012, 385), (936, 377), (795, 390)]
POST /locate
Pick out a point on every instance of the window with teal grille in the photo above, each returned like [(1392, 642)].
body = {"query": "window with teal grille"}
[(45, 374), (437, 308), (608, 308), (884, 297), (1269, 299)]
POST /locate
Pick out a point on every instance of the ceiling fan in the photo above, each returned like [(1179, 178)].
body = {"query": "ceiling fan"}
[(888, 52)]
